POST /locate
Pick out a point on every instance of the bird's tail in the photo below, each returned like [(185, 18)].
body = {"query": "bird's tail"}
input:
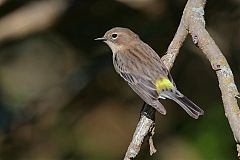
[(192, 109)]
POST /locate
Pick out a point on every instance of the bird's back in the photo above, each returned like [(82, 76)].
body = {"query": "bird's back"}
[(141, 59)]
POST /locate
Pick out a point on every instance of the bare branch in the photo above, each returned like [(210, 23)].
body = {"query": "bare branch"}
[(173, 49), (219, 63), (141, 131), (238, 149)]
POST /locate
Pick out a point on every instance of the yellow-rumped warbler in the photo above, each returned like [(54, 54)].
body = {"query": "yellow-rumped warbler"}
[(142, 68)]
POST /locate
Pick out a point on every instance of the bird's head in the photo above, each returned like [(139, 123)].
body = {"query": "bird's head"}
[(118, 38)]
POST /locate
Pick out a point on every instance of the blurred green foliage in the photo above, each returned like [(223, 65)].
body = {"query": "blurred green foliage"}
[(62, 100)]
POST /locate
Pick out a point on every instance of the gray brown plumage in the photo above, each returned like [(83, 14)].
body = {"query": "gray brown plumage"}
[(139, 65)]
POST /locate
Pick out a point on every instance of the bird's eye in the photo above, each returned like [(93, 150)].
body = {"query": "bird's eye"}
[(114, 35)]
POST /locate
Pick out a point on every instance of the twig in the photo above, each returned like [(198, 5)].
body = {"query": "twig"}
[(173, 49), (141, 131), (152, 149), (193, 22), (145, 127), (238, 149)]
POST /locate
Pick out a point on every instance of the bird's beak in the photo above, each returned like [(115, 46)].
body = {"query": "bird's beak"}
[(100, 39)]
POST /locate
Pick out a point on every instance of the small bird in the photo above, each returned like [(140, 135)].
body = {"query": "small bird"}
[(142, 68)]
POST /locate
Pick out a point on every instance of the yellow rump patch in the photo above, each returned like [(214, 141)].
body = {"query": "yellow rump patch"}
[(163, 84)]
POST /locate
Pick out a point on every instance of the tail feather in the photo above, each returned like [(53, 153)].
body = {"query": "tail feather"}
[(192, 109)]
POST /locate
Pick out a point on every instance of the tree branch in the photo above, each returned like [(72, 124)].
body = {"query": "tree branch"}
[(141, 131), (193, 22), (204, 41), (145, 127)]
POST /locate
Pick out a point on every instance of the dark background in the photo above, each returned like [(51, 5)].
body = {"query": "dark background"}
[(60, 98)]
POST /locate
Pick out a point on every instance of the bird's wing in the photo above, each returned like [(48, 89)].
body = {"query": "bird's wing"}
[(133, 78), (156, 60), (141, 84), (149, 96), (145, 89), (138, 80)]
